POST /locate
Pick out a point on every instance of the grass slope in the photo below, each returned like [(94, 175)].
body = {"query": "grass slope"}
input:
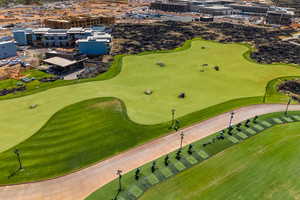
[(263, 167), (84, 133), (77, 136), (237, 78)]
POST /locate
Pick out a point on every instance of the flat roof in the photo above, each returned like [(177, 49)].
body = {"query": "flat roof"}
[(61, 62), (7, 42)]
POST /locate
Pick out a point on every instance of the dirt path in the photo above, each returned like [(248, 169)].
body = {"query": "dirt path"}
[(79, 185)]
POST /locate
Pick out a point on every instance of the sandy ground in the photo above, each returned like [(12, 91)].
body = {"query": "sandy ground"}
[(78, 185)]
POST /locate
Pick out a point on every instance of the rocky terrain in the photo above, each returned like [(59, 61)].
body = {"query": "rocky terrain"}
[(136, 38)]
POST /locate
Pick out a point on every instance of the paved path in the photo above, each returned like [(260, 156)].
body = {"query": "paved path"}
[(78, 185)]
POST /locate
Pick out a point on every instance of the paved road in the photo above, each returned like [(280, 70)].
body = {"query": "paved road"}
[(78, 185)]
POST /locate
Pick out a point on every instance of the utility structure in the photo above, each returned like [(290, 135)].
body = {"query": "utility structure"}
[(173, 118), (287, 106), (178, 154), (119, 173), (231, 118), (181, 139), (17, 152)]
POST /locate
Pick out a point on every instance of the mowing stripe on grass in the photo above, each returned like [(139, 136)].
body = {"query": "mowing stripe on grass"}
[(258, 127), (265, 123), (191, 159), (185, 162), (296, 117), (121, 198), (145, 183), (196, 156), (166, 171), (135, 191), (127, 195), (251, 131), (179, 165), (159, 175), (173, 169), (242, 135), (232, 139), (152, 179), (203, 154), (277, 120), (288, 119)]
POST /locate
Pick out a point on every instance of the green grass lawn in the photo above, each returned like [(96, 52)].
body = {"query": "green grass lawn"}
[(75, 137), (237, 78), (263, 167)]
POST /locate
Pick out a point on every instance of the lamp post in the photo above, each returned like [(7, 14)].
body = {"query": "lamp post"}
[(178, 154), (119, 173), (287, 106), (17, 152), (181, 139), (231, 118), (173, 117)]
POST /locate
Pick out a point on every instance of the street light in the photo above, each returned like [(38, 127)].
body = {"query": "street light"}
[(173, 117), (181, 139), (287, 106), (178, 156), (231, 117), (17, 152), (119, 173)]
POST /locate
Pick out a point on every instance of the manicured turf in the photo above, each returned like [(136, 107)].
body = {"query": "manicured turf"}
[(237, 78), (263, 167), (75, 137)]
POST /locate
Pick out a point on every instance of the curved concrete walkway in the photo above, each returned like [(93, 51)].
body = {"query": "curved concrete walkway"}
[(78, 185)]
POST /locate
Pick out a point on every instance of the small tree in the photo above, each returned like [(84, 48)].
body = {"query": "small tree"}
[(153, 167), (255, 118), (190, 150), (178, 154), (247, 123), (137, 174), (167, 160)]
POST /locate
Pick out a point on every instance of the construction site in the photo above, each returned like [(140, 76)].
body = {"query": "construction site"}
[(78, 21), (135, 26)]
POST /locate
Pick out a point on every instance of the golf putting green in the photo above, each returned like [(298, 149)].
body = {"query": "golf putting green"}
[(203, 86)]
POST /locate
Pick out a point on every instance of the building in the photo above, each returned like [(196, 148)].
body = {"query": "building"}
[(251, 9), (79, 21), (98, 44), (47, 37), (279, 18), (22, 36), (7, 49), (216, 10), (290, 4), (63, 66), (205, 19), (170, 6)]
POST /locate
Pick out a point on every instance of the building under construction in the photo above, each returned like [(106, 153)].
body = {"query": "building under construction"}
[(78, 21)]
